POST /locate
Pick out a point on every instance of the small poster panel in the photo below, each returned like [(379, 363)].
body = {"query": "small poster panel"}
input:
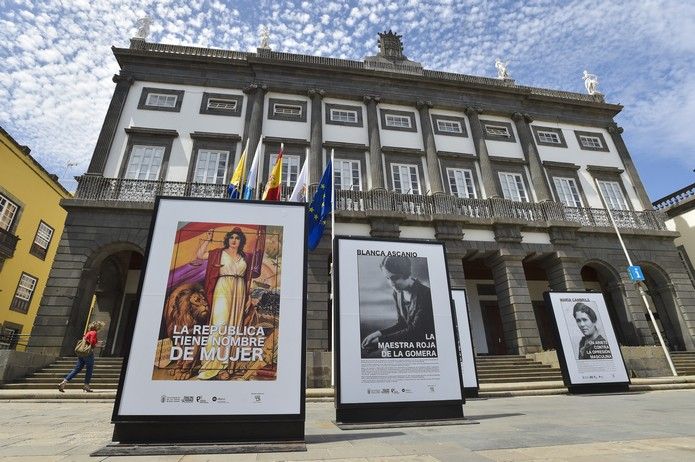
[(468, 367), (589, 350), (396, 341), (219, 328)]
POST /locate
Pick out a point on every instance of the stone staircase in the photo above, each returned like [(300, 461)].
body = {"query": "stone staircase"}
[(513, 369), (107, 371), (684, 361)]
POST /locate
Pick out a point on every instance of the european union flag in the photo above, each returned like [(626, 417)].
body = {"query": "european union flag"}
[(320, 207)]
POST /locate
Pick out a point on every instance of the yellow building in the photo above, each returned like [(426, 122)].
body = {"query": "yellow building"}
[(31, 223)]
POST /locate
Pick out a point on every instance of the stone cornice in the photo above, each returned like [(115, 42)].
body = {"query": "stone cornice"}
[(151, 131), (604, 169), (180, 53), (567, 165), (215, 136), (340, 144), (278, 139)]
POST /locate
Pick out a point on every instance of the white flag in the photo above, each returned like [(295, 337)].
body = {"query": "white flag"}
[(299, 191)]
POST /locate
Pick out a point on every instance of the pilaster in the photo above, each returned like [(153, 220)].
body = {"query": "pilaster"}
[(489, 182), (564, 271), (616, 134), (316, 141), (254, 115), (433, 170), (538, 179), (124, 80), (518, 319), (375, 163)]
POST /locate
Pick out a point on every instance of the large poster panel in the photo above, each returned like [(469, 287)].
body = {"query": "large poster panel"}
[(396, 340), (470, 375), (589, 347), (219, 328)]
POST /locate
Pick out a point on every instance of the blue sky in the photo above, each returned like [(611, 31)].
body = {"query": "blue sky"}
[(55, 76)]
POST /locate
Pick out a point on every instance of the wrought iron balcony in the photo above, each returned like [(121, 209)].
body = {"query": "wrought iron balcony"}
[(358, 203), (677, 198), (8, 244), (488, 210), (125, 190)]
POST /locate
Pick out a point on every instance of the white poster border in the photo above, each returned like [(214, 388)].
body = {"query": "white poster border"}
[(468, 365)]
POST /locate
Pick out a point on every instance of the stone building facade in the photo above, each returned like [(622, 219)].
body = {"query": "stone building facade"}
[(506, 175)]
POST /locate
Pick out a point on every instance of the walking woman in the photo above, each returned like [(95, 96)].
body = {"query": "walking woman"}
[(91, 338)]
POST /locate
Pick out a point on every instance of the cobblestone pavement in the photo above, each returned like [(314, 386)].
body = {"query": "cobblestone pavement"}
[(655, 426)]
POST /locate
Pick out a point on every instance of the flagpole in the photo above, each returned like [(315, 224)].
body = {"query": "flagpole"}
[(255, 180), (332, 273)]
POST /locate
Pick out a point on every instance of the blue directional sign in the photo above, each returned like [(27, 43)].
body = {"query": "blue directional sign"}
[(635, 273)]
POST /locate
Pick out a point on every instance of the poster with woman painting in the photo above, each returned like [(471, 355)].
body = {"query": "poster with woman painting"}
[(589, 348), (220, 323), (221, 315)]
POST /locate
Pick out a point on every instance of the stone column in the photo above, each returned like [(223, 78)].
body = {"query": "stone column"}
[(254, 116), (316, 143), (564, 272), (616, 135), (538, 179), (433, 170), (123, 82), (518, 319), (377, 168), (489, 182)]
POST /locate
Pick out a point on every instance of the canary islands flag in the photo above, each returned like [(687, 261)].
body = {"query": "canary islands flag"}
[(236, 184), (320, 208), (272, 187)]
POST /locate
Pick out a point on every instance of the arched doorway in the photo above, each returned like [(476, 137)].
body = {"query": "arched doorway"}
[(107, 293), (663, 302), (599, 276)]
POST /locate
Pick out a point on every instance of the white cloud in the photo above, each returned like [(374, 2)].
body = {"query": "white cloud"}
[(57, 52)]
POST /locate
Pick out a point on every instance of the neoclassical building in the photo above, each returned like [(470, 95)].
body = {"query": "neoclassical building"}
[(507, 176)]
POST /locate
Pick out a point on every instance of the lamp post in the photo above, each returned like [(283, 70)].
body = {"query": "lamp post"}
[(639, 284)]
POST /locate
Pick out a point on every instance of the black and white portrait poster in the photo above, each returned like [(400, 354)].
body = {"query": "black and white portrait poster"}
[(470, 377), (589, 345), (219, 327), (396, 332)]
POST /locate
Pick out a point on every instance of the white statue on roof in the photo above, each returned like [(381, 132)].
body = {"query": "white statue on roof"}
[(143, 24), (502, 72), (265, 38), (591, 83)]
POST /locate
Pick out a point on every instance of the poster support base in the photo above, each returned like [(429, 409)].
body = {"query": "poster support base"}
[(600, 388), (118, 449), (470, 392), (374, 413), (208, 433), (416, 423)]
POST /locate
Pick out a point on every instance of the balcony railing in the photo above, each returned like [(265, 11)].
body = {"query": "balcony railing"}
[(126, 190), (8, 244), (676, 198), (414, 205)]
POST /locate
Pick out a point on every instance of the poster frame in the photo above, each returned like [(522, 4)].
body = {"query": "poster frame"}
[(584, 388), (390, 411), (469, 392), (165, 429)]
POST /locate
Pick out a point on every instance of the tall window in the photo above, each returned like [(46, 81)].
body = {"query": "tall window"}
[(145, 162), (211, 166), (23, 293), (347, 175), (513, 187), (613, 194), (567, 191), (290, 168), (461, 183), (42, 240), (161, 100), (8, 210), (405, 178)]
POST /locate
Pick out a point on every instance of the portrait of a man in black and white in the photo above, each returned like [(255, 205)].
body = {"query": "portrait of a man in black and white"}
[(396, 317)]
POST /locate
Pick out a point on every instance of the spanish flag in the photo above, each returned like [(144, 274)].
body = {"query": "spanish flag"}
[(272, 187), (236, 184)]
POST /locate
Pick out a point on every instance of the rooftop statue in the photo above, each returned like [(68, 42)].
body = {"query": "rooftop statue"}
[(143, 24), (265, 37), (502, 72), (591, 83)]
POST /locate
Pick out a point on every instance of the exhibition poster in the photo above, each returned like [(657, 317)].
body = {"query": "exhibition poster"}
[(396, 332)]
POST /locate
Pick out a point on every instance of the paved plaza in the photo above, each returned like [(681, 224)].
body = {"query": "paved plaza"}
[(654, 426)]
